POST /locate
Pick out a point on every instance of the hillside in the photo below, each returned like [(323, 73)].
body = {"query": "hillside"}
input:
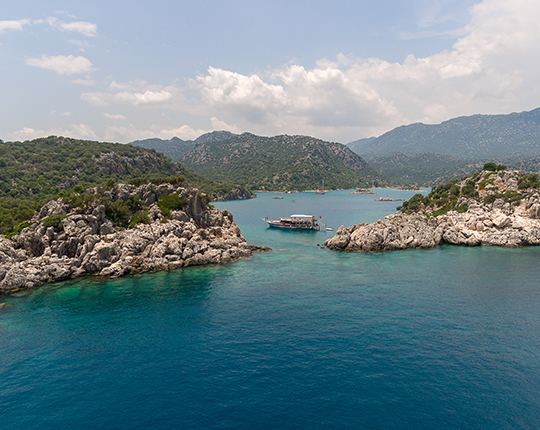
[(176, 148), (33, 172), (423, 170), (49, 165), (476, 137), (279, 163), (173, 148)]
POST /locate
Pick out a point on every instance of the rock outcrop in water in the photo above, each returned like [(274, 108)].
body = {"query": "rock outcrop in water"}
[(497, 208), (85, 235)]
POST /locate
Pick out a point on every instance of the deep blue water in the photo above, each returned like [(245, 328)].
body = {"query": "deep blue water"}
[(297, 338)]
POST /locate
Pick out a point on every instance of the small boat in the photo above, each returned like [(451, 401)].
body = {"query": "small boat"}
[(295, 222)]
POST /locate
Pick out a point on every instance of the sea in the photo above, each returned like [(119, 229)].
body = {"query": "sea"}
[(300, 337)]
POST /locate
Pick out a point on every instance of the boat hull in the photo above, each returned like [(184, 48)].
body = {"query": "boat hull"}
[(277, 224)]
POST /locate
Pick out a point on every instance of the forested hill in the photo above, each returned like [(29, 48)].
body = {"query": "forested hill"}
[(476, 137), (424, 170), (49, 165), (33, 172), (280, 163), (175, 148)]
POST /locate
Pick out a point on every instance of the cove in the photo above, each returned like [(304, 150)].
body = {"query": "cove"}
[(299, 337)]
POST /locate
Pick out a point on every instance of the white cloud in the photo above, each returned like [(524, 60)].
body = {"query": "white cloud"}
[(134, 93), (83, 46), (77, 131), (114, 116), (492, 68), (131, 133), (16, 25), (148, 97), (62, 64), (85, 28), (249, 95), (218, 125)]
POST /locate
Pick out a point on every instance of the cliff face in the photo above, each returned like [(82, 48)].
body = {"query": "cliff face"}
[(65, 241), (501, 212)]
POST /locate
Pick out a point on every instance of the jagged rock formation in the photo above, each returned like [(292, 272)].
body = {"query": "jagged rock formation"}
[(65, 241), (236, 194), (499, 210)]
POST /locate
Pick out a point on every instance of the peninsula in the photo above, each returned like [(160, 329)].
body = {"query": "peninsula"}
[(127, 229), (492, 207)]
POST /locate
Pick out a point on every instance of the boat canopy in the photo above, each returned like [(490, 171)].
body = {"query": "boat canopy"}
[(300, 216)]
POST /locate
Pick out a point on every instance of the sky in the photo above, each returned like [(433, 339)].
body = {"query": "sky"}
[(338, 70)]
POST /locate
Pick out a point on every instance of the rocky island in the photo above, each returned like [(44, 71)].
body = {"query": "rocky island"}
[(492, 207), (127, 229)]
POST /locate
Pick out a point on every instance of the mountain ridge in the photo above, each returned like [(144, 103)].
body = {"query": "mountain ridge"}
[(279, 163), (474, 137)]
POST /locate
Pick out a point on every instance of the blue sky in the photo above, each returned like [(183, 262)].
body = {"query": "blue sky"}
[(338, 70)]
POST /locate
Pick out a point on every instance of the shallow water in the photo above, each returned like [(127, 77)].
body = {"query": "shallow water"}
[(299, 337)]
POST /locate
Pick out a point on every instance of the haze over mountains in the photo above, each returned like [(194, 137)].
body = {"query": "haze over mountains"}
[(476, 137), (415, 154)]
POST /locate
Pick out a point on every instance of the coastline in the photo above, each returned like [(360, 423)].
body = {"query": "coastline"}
[(499, 213), (66, 241)]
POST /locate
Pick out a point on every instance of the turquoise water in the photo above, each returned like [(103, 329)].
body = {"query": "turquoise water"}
[(297, 338)]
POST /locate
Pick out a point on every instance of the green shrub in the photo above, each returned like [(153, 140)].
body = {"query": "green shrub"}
[(488, 179), (134, 204), (490, 199), (462, 208), (469, 189), (17, 229), (140, 217), (492, 167), (442, 211), (54, 221), (529, 181), (118, 212), (170, 202), (455, 190)]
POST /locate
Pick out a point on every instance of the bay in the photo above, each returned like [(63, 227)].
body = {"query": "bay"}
[(299, 337)]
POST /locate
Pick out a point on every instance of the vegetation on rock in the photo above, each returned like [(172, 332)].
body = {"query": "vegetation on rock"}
[(486, 186), (280, 163), (34, 172)]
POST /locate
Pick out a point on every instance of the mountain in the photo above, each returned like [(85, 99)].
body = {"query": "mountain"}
[(279, 163), (477, 137), (423, 170), (175, 148)]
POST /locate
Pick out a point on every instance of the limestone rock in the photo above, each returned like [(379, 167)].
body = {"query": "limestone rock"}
[(86, 242), (480, 225)]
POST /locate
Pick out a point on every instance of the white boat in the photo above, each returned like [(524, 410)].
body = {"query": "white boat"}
[(295, 222)]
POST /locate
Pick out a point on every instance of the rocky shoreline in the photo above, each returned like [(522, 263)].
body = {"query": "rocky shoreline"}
[(512, 219), (67, 241)]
